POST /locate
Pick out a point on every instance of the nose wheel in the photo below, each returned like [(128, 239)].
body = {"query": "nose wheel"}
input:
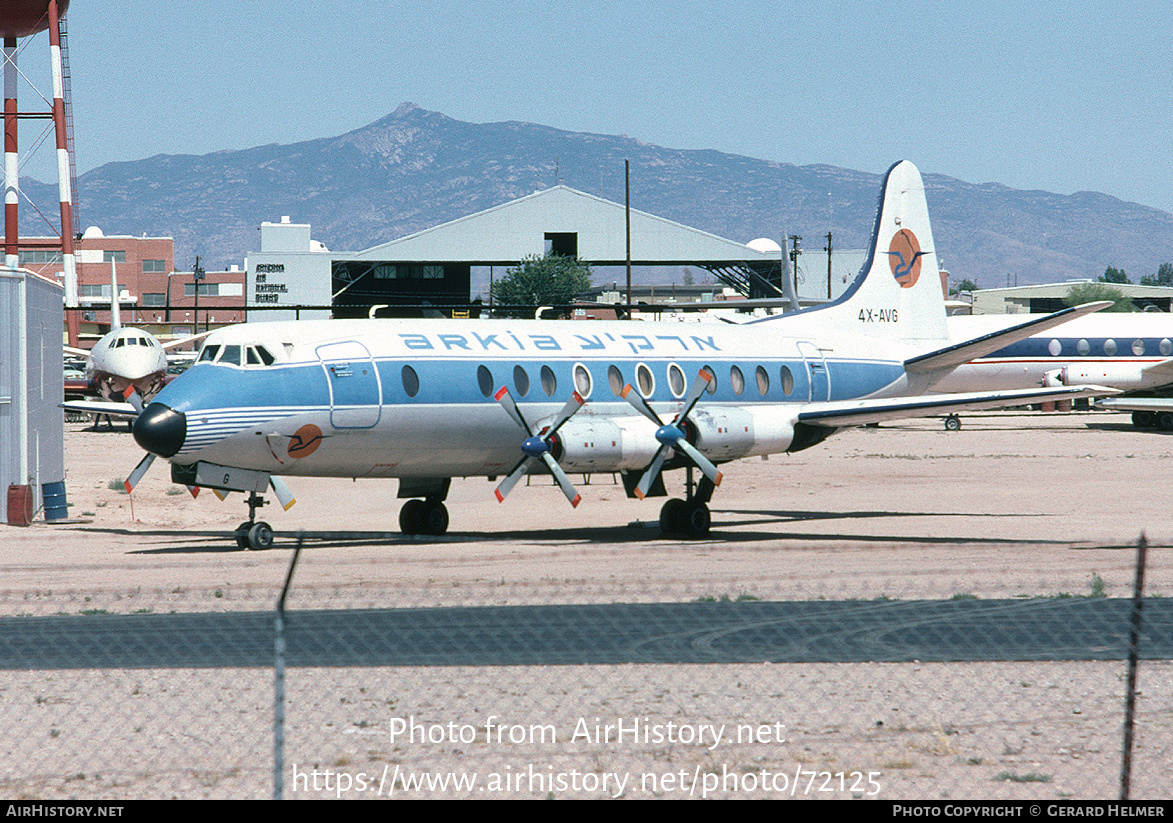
[(254, 534)]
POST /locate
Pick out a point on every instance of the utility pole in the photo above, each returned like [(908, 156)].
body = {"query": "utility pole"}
[(197, 274), (828, 251), (627, 214), (794, 252)]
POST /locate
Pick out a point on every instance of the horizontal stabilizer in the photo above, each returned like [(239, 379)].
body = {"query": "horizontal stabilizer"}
[(862, 412), (959, 353)]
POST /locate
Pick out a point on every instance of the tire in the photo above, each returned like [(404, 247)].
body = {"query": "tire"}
[(241, 535), (697, 519), (411, 516), (952, 423), (672, 516), (1144, 419), (435, 518), (260, 536)]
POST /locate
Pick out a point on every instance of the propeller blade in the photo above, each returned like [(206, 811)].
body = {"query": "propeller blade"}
[(703, 379), (284, 495), (640, 404), (195, 490), (703, 463), (511, 479), (572, 405), (506, 400), (130, 395), (563, 481), (653, 471), (138, 472)]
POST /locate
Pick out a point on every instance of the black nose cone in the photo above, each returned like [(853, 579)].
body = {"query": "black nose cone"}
[(160, 430)]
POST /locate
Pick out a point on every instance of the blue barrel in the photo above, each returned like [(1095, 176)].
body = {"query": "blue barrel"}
[(54, 496)]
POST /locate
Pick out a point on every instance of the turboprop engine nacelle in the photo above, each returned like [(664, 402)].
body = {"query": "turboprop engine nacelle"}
[(1117, 375)]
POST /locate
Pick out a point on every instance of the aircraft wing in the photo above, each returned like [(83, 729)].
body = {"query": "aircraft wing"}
[(100, 407), (959, 353), (170, 344), (861, 412), (1160, 371), (1150, 404)]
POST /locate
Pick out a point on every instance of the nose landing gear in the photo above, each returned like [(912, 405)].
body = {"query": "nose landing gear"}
[(254, 534)]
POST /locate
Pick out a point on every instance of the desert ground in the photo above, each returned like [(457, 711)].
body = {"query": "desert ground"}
[(1013, 505)]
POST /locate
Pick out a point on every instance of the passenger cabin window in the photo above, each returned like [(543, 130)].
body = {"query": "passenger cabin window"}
[(763, 378), (615, 378), (1138, 347), (1109, 347), (736, 380), (485, 380), (643, 376), (1166, 347), (549, 381), (411, 381), (676, 380), (582, 380), (521, 380)]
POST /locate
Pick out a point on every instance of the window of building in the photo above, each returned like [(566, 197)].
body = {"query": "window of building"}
[(112, 256), (154, 299), (154, 265)]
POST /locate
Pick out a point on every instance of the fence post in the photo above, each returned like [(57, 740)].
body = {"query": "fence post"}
[(1133, 649)]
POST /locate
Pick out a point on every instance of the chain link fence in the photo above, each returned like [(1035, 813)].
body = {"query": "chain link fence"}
[(617, 691)]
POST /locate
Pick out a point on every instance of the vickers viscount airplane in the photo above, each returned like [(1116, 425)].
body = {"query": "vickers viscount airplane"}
[(428, 400)]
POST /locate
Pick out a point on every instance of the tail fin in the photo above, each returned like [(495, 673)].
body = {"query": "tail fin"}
[(898, 293)]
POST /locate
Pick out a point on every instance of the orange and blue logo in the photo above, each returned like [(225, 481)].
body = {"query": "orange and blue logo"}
[(305, 441), (904, 256)]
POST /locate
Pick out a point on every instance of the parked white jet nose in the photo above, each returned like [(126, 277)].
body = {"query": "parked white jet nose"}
[(160, 430)]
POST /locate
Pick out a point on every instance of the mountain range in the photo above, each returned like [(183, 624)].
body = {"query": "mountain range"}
[(414, 169)]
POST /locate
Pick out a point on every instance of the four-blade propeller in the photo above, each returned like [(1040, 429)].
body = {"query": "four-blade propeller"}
[(536, 446), (673, 436)]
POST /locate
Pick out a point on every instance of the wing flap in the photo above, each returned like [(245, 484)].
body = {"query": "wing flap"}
[(100, 407)]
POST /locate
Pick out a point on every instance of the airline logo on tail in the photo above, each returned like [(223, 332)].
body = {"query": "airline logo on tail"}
[(904, 256)]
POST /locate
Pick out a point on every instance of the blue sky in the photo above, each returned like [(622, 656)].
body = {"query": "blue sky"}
[(1055, 96)]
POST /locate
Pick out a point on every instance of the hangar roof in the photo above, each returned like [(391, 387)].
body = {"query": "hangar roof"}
[(507, 233)]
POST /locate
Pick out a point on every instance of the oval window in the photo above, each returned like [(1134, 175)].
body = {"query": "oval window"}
[(1138, 347), (521, 380), (1055, 347), (582, 380), (549, 381), (736, 380), (485, 380), (712, 389), (763, 378), (411, 381), (615, 378), (676, 380), (643, 376), (1166, 347), (787, 381), (1109, 347), (1083, 347)]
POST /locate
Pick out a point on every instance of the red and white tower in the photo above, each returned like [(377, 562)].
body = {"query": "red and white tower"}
[(20, 19)]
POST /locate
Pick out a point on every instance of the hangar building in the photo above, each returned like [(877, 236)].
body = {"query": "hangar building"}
[(434, 266)]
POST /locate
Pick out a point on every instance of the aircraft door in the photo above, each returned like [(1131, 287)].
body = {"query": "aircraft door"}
[(818, 380), (355, 392)]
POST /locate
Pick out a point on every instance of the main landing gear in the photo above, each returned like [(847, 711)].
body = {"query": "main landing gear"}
[(254, 534), (427, 516), (689, 517)]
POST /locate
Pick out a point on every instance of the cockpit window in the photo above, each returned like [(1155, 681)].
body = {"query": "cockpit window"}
[(209, 353), (231, 355), (266, 356), (251, 356)]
